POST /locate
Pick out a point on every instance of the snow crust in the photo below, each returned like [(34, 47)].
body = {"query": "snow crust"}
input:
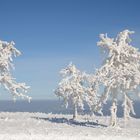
[(41, 126)]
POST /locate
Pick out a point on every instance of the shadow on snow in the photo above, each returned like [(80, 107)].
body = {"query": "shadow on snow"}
[(71, 122)]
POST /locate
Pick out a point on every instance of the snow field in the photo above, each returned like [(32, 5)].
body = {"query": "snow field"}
[(41, 126)]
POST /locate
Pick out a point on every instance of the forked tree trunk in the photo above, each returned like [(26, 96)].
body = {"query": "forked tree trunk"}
[(75, 112), (113, 110)]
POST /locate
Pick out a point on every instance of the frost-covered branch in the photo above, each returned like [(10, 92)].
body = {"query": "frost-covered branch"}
[(7, 51)]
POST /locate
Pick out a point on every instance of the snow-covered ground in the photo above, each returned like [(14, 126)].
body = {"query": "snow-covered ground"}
[(41, 126)]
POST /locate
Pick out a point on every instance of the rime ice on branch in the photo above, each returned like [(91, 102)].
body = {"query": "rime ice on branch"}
[(120, 74), (73, 88), (7, 51)]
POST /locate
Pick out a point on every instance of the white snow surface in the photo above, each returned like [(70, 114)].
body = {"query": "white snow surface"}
[(41, 126)]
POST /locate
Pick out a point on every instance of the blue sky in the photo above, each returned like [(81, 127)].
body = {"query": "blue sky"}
[(51, 33)]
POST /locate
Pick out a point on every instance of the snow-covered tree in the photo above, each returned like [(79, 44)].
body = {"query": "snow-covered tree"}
[(73, 88), (119, 76), (7, 51), (92, 89)]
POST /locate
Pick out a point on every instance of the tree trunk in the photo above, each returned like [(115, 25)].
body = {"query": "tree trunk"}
[(127, 107), (113, 114), (75, 112), (125, 113)]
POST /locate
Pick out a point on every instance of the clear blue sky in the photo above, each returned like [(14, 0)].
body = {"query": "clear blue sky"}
[(51, 33)]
